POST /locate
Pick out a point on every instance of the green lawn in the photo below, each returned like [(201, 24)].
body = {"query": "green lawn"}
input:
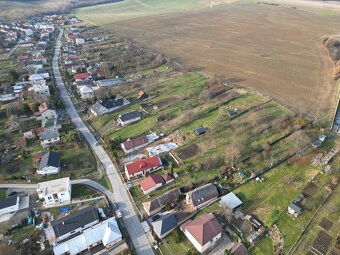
[(2, 193), (105, 182), (172, 247), (263, 247), (136, 191), (83, 191), (23, 233), (130, 9)]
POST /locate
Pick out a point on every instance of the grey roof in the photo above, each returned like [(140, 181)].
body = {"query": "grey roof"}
[(40, 71), (160, 201), (203, 194), (109, 82), (164, 224), (75, 220), (7, 202), (130, 115), (200, 130), (49, 134), (231, 201), (85, 83), (50, 158), (108, 104)]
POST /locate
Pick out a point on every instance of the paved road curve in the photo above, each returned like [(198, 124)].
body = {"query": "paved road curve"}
[(133, 226)]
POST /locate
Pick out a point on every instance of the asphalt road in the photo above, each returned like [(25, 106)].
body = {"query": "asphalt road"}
[(133, 226)]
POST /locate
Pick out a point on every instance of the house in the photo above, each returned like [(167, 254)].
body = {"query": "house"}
[(106, 106), (86, 92), (35, 77), (55, 191), (239, 249), (129, 117), (164, 225), (49, 164), (81, 83), (203, 232), (201, 196), (47, 111), (134, 144), (43, 72), (50, 124), (81, 76), (105, 233), (254, 236), (41, 58), (49, 138), (29, 135), (141, 167), (151, 183), (142, 95), (168, 178), (7, 97), (155, 205), (9, 205), (20, 143), (230, 201), (41, 89), (199, 131), (80, 41), (108, 82), (294, 209), (75, 66), (74, 223)]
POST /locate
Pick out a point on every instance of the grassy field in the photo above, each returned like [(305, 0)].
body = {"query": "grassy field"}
[(132, 9), (240, 40), (263, 247), (83, 191)]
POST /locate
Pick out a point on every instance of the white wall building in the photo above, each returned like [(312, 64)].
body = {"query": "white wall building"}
[(55, 192)]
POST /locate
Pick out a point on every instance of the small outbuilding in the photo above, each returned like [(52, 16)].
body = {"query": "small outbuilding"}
[(230, 201), (199, 130)]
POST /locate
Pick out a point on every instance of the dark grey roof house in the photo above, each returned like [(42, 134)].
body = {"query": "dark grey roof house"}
[(129, 117), (50, 163), (106, 106), (9, 205), (164, 225), (75, 222), (199, 130), (202, 196)]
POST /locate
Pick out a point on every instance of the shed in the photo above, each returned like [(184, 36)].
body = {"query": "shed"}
[(231, 201), (199, 130)]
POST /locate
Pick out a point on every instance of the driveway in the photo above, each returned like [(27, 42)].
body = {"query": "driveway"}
[(133, 226)]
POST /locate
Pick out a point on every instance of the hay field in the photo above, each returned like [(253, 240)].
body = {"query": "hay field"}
[(273, 49)]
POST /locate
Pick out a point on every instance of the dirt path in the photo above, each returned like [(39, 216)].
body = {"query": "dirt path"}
[(143, 4)]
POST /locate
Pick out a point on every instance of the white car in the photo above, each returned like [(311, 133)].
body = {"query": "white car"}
[(101, 213), (119, 214)]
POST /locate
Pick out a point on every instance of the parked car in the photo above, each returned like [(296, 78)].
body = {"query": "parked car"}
[(12, 193), (115, 206), (119, 214), (101, 213), (29, 214), (23, 221), (30, 221), (36, 212)]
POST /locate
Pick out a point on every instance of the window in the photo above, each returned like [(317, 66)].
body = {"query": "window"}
[(49, 198)]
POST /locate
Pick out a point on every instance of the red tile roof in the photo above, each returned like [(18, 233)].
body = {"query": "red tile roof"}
[(100, 73), (20, 143), (143, 165), (38, 130), (130, 144), (203, 228), (81, 76), (151, 181), (167, 177)]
